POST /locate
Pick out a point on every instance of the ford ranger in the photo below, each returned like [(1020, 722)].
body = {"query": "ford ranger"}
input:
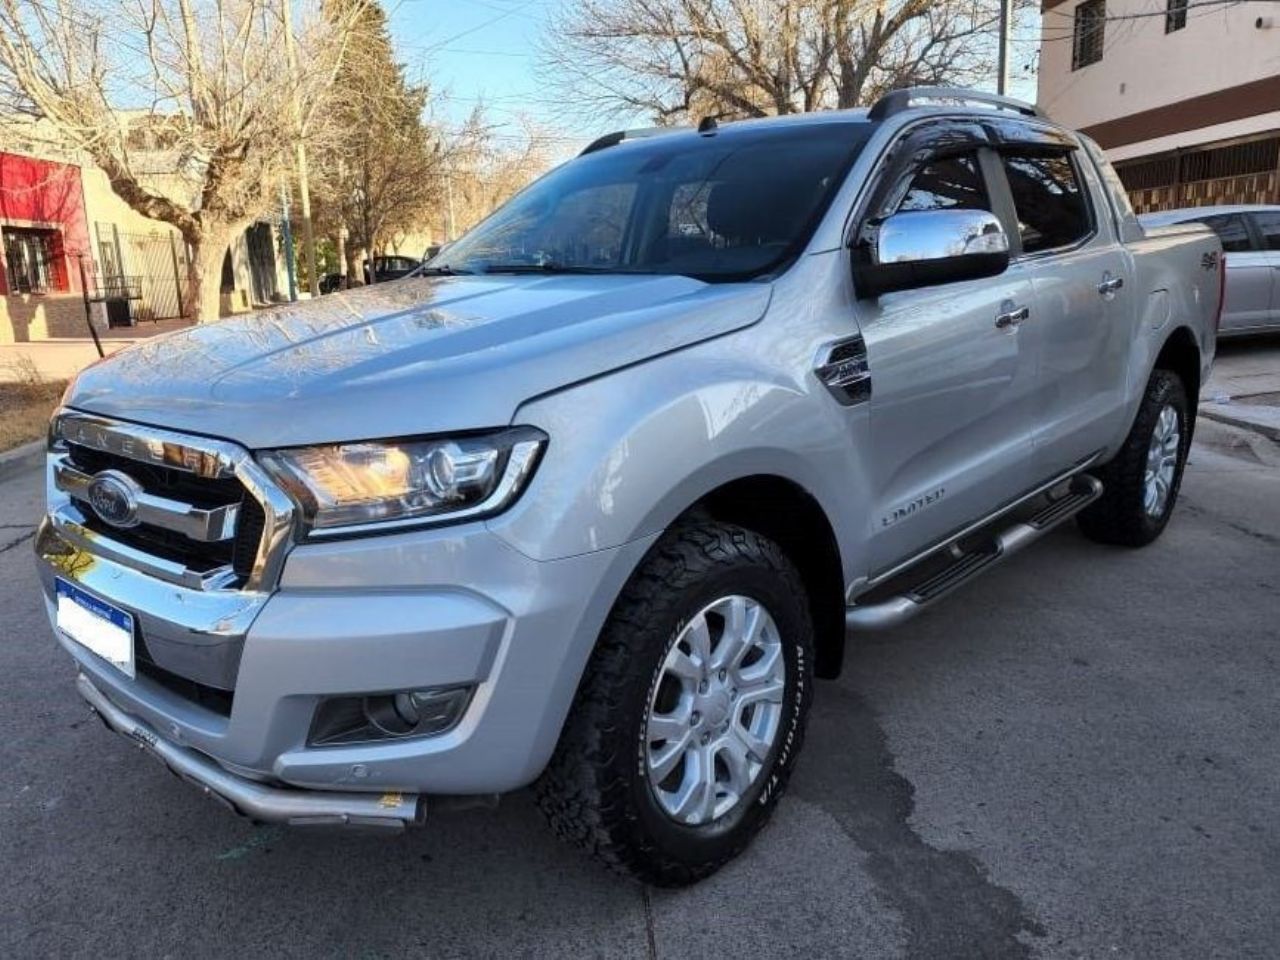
[(590, 501)]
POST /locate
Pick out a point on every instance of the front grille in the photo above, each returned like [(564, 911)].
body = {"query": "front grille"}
[(196, 541), (249, 528), (238, 553), (164, 481), (166, 544), (211, 698)]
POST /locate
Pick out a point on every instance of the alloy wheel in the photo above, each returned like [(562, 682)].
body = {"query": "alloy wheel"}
[(1162, 462), (715, 711)]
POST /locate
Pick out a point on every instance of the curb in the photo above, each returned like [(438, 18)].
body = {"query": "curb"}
[(1216, 413), (29, 456)]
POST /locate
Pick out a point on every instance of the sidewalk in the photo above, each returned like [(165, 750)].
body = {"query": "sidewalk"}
[(1244, 390), (63, 357)]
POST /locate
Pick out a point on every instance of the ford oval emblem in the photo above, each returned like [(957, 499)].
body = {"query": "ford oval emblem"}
[(114, 497)]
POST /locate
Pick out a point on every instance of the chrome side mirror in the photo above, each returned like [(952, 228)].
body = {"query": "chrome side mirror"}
[(928, 247)]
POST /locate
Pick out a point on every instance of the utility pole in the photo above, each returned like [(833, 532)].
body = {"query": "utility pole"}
[(1006, 28), (448, 187), (287, 230), (300, 152)]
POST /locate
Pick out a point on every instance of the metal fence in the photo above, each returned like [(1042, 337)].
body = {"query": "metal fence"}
[(159, 260), (1243, 172)]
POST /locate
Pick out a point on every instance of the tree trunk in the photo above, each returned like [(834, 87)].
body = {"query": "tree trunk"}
[(208, 248)]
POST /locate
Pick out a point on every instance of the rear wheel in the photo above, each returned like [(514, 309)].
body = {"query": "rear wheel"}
[(691, 713), (1140, 485)]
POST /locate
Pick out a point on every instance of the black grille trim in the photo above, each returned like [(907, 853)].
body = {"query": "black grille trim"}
[(240, 553)]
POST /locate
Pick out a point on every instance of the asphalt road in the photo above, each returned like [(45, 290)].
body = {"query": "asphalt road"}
[(1075, 756)]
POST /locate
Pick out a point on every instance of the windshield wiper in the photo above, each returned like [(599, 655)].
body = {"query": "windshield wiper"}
[(444, 270), (547, 267)]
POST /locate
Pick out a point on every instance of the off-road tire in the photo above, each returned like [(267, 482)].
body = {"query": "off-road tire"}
[(1118, 516), (595, 792)]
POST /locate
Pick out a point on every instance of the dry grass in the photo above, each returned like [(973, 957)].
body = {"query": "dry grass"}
[(26, 400)]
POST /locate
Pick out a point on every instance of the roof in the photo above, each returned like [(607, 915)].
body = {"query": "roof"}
[(916, 100)]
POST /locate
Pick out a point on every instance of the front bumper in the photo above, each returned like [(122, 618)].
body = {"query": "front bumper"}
[(393, 811), (418, 609)]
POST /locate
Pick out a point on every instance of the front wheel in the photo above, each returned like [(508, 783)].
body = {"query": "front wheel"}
[(1140, 485), (692, 710)]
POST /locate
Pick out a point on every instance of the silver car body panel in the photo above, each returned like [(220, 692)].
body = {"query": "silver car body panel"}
[(654, 391), (416, 356), (1252, 299)]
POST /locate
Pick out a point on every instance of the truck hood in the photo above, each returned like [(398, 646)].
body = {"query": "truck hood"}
[(415, 356)]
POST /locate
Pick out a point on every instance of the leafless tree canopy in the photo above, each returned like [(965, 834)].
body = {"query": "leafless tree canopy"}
[(186, 104), (487, 167), (675, 60)]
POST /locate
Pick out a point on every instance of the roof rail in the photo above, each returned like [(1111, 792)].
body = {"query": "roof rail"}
[(615, 138), (895, 101)]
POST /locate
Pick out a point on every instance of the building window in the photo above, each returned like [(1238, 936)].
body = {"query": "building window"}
[(1087, 38), (1175, 17), (31, 260)]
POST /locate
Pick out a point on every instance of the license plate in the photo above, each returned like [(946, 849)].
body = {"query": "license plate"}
[(96, 625)]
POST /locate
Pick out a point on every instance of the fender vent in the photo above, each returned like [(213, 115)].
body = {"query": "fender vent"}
[(843, 370)]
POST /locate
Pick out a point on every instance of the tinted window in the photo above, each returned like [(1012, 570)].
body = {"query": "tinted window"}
[(1269, 226), (724, 207), (947, 183), (1048, 200), (1231, 230), (588, 226)]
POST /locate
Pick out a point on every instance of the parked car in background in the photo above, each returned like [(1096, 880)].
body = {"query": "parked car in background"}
[(330, 282), (1250, 236), (377, 270), (380, 269), (593, 498)]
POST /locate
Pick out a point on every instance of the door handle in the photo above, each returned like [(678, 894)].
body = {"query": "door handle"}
[(1011, 318), (1110, 284)]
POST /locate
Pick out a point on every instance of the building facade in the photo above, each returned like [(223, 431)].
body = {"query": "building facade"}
[(64, 232), (44, 239), (1184, 96)]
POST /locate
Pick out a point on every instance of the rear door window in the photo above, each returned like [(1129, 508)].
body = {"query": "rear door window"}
[(1268, 224), (1048, 199), (1231, 230)]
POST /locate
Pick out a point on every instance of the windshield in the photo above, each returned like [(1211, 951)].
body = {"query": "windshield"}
[(730, 206)]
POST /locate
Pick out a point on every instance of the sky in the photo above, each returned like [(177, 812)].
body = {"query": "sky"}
[(487, 50), (479, 50)]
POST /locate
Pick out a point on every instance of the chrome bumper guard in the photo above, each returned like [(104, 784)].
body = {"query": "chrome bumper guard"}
[(258, 801)]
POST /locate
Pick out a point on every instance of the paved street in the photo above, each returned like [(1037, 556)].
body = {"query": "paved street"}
[(1075, 756)]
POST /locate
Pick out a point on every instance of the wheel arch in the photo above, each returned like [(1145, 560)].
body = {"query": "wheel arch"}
[(1180, 355), (782, 510)]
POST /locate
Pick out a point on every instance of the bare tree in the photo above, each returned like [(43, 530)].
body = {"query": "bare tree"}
[(183, 103), (487, 164), (674, 60)]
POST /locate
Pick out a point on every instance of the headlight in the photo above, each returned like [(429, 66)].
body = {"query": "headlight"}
[(363, 487)]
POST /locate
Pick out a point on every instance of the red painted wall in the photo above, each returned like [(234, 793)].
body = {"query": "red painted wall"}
[(43, 193)]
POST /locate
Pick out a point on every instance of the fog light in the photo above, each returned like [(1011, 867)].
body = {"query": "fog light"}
[(417, 712), (406, 708), (386, 716)]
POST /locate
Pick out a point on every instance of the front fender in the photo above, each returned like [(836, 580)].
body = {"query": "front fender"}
[(630, 452)]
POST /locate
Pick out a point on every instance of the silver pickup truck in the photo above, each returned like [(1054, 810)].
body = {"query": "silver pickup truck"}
[(591, 501)]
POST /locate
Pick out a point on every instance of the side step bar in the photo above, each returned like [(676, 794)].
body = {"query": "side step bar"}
[(967, 563), (258, 801)]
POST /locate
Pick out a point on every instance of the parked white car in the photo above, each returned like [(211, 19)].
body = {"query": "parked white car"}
[(1250, 236)]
